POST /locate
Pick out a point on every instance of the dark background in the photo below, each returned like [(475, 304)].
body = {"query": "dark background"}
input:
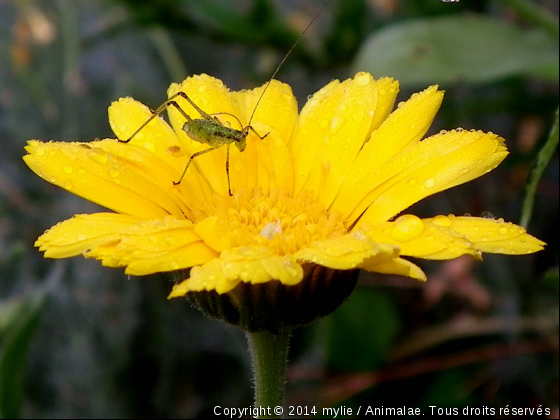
[(79, 340)]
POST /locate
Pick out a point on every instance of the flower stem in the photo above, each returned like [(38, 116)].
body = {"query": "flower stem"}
[(269, 355)]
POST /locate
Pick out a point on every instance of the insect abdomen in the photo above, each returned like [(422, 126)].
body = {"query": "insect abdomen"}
[(210, 132)]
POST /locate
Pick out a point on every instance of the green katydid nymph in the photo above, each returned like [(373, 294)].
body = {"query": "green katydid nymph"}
[(209, 129)]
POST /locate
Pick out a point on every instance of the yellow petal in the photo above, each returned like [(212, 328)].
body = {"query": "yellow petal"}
[(333, 128), (187, 256), (155, 246), (493, 236), (89, 172), (127, 115), (84, 231), (159, 140), (278, 108), (249, 264), (430, 166), (346, 252), (397, 266), (274, 163), (215, 233), (421, 238), (212, 97), (387, 91), (403, 128)]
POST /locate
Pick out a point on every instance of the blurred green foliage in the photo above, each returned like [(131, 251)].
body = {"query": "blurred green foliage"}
[(475, 334)]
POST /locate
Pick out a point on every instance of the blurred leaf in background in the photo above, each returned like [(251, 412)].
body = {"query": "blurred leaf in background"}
[(475, 334)]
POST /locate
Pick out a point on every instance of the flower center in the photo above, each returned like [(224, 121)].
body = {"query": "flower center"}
[(277, 221)]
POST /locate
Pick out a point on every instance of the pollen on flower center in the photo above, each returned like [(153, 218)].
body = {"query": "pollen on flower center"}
[(280, 222)]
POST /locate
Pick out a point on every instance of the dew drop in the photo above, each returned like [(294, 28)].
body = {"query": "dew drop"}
[(407, 228), (400, 105), (113, 172), (39, 151), (503, 230), (67, 169), (202, 88), (363, 79), (336, 124), (382, 92), (430, 183), (442, 220), (484, 239), (150, 147), (52, 180), (98, 155), (82, 237), (68, 185), (153, 122), (174, 265), (323, 124), (412, 182)]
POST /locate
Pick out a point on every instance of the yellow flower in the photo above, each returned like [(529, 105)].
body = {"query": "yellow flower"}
[(324, 188)]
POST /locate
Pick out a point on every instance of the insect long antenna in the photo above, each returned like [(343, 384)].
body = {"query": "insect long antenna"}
[(284, 59)]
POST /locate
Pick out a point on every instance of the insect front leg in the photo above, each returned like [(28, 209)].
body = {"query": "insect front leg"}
[(157, 112), (257, 134)]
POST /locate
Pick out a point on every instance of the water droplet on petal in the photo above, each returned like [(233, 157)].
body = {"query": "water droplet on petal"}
[(98, 155), (81, 171), (67, 169), (202, 88), (150, 147), (336, 124), (39, 151), (430, 183), (323, 124), (442, 220), (363, 79), (412, 182), (503, 230), (113, 172), (82, 237), (68, 185), (407, 228)]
